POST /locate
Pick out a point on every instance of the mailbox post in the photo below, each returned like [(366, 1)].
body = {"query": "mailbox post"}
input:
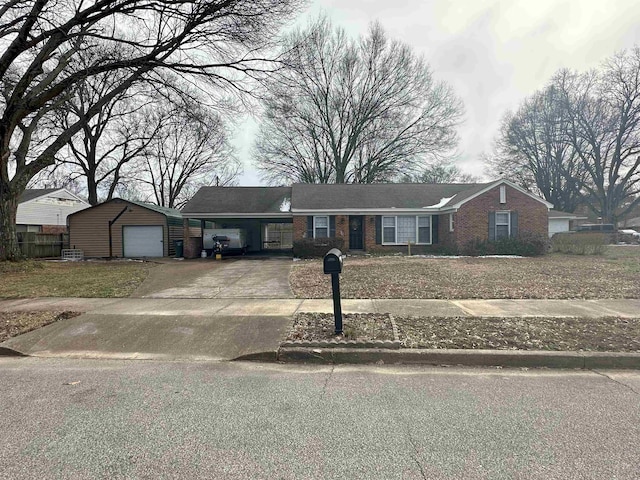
[(333, 265)]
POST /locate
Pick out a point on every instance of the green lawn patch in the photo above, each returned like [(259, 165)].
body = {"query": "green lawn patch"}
[(100, 279)]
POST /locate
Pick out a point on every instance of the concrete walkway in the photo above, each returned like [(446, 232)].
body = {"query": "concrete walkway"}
[(289, 306), (231, 328)]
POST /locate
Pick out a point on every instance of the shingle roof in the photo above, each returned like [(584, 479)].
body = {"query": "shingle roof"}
[(245, 200), (378, 195), (559, 214), (169, 212), (31, 193)]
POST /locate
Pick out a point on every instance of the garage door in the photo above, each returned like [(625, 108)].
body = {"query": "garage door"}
[(143, 241)]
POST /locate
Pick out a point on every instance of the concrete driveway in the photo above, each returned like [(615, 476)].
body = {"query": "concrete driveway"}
[(229, 278)]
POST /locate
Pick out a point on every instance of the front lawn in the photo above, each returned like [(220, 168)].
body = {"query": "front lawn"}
[(608, 334), (616, 274), (71, 279)]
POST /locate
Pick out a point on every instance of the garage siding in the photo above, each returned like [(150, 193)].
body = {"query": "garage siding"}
[(89, 229)]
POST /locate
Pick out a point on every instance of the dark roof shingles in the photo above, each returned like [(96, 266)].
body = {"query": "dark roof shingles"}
[(244, 200)]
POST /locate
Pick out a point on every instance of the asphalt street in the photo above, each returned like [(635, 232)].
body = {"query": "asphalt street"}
[(67, 418)]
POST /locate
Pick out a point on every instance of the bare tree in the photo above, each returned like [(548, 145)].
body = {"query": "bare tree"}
[(532, 149), (40, 41), (358, 111), (191, 150), (107, 142), (441, 173), (604, 129)]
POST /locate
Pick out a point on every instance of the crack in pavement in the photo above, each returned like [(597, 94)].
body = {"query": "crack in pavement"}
[(326, 383), (628, 387), (412, 442)]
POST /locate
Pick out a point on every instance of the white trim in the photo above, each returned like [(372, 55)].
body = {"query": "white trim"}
[(503, 194), (328, 227), (451, 222), (365, 211), (395, 227), (495, 184)]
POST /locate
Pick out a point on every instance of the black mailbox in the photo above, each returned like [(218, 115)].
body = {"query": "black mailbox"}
[(333, 261)]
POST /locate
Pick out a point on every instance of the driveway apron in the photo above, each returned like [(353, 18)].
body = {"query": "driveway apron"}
[(235, 278)]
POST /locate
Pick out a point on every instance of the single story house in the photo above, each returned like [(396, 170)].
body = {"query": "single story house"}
[(371, 217), (45, 210), (560, 222), (125, 228)]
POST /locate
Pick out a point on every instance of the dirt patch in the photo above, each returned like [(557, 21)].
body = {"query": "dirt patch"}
[(554, 276), (321, 326), (13, 324), (608, 334)]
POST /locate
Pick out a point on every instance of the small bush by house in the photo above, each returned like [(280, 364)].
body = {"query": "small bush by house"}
[(524, 245), (315, 247), (579, 243)]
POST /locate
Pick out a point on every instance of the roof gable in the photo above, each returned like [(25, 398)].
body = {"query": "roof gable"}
[(480, 189)]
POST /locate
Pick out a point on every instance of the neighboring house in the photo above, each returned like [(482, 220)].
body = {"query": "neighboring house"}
[(374, 217), (560, 222), (138, 230), (45, 210), (630, 223)]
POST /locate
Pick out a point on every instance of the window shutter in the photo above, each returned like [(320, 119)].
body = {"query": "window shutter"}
[(435, 222), (492, 226), (378, 230), (514, 224), (310, 226), (332, 226)]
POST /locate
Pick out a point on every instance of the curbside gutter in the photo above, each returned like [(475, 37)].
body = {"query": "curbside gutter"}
[(476, 358), (10, 352)]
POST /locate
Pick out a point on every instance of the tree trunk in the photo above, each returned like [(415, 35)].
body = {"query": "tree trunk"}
[(8, 242)]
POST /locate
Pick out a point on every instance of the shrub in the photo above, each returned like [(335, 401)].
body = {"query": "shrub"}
[(315, 247), (526, 245), (579, 243)]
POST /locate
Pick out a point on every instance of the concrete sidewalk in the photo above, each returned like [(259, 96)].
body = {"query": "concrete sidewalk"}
[(233, 328), (286, 307)]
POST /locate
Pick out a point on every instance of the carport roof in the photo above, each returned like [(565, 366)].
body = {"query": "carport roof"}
[(239, 200)]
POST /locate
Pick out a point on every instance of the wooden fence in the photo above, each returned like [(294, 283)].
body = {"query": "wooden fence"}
[(39, 245)]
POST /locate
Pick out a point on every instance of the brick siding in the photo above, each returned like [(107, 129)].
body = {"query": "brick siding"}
[(472, 219)]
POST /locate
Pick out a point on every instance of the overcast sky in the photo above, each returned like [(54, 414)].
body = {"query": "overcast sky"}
[(493, 53)]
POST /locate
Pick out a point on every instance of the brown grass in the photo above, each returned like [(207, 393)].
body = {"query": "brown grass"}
[(17, 323), (71, 279), (555, 276)]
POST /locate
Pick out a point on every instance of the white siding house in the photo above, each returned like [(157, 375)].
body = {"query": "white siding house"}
[(46, 210), (560, 221)]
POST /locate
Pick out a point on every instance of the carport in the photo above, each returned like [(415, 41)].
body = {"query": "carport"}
[(263, 212)]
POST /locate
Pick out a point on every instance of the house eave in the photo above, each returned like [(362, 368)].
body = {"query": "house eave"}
[(235, 215)]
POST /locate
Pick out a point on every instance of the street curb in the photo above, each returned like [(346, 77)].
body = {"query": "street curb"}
[(477, 358), (267, 356), (10, 352)]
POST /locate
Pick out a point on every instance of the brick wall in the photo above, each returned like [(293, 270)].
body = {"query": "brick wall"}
[(472, 219), (299, 227)]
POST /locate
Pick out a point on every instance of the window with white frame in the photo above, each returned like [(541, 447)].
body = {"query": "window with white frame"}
[(402, 229), (503, 194), (503, 224), (321, 227)]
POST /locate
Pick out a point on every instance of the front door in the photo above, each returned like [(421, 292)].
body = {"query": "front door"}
[(356, 237)]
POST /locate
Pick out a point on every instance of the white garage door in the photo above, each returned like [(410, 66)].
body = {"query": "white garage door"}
[(143, 241)]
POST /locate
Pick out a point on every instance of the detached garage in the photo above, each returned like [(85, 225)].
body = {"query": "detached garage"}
[(137, 230)]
